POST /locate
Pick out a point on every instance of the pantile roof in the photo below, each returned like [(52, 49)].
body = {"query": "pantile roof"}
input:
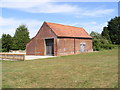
[(68, 31)]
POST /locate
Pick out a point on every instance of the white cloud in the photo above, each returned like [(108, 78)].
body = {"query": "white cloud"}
[(87, 0), (40, 7), (8, 25), (61, 0), (52, 8), (22, 3), (91, 26), (48, 6), (98, 12)]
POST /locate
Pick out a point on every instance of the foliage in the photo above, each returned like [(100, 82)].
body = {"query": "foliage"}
[(6, 42), (99, 42), (20, 38), (110, 35), (113, 29), (105, 34), (18, 42), (95, 35)]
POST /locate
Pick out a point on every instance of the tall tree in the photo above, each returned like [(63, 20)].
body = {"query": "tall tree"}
[(105, 33), (21, 38), (114, 30), (6, 42)]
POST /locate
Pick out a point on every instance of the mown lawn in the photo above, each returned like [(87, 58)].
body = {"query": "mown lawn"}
[(87, 70)]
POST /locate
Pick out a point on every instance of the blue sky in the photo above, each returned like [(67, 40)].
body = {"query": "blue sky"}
[(92, 16)]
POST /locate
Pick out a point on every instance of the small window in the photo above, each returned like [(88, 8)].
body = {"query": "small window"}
[(82, 47)]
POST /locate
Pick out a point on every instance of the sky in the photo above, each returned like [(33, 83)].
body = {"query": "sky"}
[(92, 16)]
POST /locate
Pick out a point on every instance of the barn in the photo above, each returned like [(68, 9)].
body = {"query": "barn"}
[(55, 39)]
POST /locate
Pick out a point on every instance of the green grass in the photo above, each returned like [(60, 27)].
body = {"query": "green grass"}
[(87, 70)]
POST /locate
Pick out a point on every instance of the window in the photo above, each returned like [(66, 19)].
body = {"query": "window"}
[(82, 47)]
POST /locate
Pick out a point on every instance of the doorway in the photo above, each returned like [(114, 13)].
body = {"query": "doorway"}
[(49, 47)]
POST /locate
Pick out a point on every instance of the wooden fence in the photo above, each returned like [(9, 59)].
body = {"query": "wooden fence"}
[(11, 56)]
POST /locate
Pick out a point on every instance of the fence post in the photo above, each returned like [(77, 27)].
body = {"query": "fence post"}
[(23, 57)]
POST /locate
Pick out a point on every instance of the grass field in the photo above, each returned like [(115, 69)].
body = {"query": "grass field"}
[(87, 70)]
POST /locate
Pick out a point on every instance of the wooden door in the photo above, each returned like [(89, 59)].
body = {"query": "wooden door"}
[(50, 47)]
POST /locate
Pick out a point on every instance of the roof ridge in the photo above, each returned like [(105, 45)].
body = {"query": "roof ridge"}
[(63, 25)]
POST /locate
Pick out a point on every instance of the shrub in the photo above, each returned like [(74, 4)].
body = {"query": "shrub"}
[(100, 43)]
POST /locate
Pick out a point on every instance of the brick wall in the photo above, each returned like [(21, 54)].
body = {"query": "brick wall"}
[(55, 47), (62, 46), (88, 46), (30, 47), (65, 46), (68, 46), (37, 45)]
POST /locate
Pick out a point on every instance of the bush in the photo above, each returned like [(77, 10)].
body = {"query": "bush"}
[(109, 46), (100, 43)]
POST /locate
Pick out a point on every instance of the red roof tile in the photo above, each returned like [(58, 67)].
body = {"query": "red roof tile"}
[(68, 31)]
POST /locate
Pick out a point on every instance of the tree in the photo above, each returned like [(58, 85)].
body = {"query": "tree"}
[(95, 35), (105, 33), (113, 28), (96, 40), (6, 42), (99, 42), (21, 38)]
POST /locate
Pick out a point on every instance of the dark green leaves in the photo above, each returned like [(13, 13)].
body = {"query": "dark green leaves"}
[(6, 42), (113, 28), (18, 42), (21, 38)]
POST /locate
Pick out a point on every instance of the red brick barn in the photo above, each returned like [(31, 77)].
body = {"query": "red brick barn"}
[(57, 40)]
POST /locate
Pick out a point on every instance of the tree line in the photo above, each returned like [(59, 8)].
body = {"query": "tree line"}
[(109, 37), (18, 41)]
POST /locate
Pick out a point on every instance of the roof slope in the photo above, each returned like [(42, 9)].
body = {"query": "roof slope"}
[(68, 31)]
